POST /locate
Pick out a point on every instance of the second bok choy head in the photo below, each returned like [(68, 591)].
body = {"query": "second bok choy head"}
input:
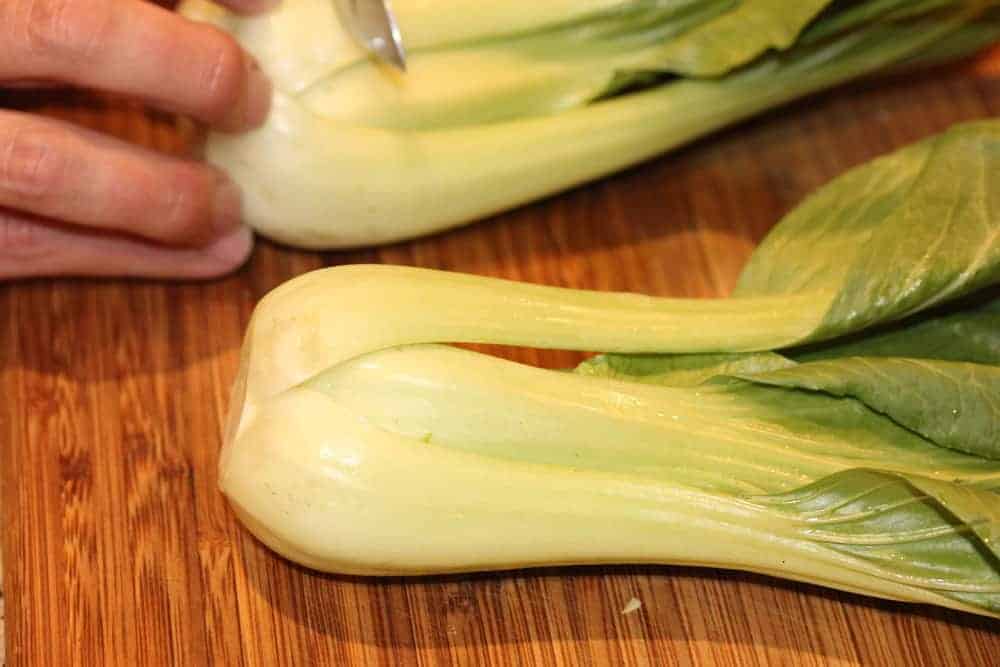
[(511, 100), (836, 420)]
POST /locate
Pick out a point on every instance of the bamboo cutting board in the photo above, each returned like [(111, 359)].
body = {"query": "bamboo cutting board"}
[(119, 550)]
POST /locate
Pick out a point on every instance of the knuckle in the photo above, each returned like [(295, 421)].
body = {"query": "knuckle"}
[(224, 75), (186, 205), (66, 29), (21, 239), (31, 165)]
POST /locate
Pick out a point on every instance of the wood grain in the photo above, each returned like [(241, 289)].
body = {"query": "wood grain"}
[(120, 551)]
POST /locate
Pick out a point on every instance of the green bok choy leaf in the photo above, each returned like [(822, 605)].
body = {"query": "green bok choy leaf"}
[(835, 421)]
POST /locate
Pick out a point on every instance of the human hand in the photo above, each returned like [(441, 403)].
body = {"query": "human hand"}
[(75, 202)]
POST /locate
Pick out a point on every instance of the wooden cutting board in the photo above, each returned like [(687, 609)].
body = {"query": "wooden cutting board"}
[(119, 550)]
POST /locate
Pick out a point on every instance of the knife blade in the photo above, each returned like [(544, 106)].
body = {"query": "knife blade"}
[(372, 24)]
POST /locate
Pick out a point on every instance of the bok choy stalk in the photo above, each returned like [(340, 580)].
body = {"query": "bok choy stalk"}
[(837, 420), (509, 101)]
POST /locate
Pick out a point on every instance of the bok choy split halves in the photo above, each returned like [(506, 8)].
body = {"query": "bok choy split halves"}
[(510, 100), (836, 420)]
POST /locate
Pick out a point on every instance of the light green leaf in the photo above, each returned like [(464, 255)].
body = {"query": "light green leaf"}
[(679, 370), (931, 534), (907, 231), (738, 36)]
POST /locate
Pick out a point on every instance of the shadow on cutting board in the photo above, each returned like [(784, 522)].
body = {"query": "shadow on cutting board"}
[(680, 606)]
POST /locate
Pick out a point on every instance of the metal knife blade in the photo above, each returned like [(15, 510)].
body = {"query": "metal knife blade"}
[(372, 25)]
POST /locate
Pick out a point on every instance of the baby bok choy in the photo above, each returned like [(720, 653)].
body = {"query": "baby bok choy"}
[(511, 100), (836, 420)]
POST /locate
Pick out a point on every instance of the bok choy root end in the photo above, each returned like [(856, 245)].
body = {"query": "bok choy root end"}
[(833, 421)]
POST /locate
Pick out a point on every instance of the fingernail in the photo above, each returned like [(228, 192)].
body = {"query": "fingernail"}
[(227, 208), (258, 95), (231, 252)]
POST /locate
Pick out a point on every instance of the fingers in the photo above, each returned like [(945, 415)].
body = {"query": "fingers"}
[(136, 49), (31, 247), (55, 170)]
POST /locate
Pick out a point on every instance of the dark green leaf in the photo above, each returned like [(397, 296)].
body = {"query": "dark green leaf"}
[(970, 334), (953, 404)]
